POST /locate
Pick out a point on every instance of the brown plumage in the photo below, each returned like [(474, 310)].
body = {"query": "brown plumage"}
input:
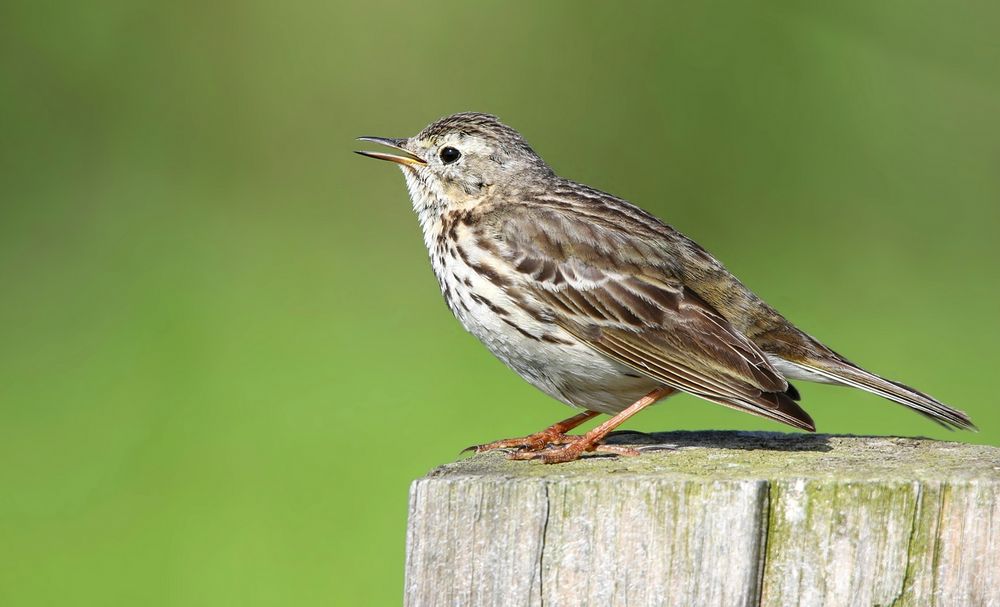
[(597, 302)]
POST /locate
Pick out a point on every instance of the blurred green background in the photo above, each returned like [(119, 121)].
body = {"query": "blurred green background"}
[(224, 355)]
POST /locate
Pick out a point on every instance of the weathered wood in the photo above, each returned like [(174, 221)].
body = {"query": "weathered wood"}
[(714, 518)]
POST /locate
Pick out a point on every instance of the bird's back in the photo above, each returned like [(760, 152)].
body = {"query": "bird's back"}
[(563, 217)]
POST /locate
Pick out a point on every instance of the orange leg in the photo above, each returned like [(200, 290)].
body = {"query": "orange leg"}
[(574, 448), (553, 435)]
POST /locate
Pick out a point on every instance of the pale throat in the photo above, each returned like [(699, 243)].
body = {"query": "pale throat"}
[(430, 203)]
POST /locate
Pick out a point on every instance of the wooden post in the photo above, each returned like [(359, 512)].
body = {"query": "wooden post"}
[(714, 518)]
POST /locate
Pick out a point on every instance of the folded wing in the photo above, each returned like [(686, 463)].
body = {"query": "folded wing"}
[(620, 295)]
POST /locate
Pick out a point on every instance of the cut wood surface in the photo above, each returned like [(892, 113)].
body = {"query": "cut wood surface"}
[(714, 518)]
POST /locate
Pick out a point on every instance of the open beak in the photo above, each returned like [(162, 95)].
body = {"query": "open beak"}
[(407, 159)]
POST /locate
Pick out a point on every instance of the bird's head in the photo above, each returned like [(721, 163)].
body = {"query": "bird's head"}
[(457, 160)]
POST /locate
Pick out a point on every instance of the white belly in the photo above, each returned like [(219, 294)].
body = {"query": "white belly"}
[(545, 355)]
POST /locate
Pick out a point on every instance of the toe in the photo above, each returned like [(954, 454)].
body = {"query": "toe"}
[(561, 455)]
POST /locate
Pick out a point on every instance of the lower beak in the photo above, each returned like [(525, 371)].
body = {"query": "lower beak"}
[(408, 160)]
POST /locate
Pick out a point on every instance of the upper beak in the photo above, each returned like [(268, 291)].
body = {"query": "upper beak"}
[(408, 159)]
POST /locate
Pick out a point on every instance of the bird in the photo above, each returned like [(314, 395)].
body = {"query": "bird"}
[(597, 302)]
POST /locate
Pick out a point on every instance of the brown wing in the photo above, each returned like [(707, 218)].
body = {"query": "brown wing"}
[(621, 294)]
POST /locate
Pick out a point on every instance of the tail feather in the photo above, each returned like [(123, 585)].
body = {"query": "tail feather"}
[(848, 374)]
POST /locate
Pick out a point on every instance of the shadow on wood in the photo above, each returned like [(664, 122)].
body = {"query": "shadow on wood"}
[(748, 441), (714, 518)]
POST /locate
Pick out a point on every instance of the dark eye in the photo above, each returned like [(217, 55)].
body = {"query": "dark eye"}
[(449, 154)]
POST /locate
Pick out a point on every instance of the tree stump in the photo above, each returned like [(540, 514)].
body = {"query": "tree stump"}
[(713, 518)]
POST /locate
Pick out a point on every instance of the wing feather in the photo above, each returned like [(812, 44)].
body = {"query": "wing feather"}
[(631, 305)]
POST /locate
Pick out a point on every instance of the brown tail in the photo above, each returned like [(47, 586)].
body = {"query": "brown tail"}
[(846, 373)]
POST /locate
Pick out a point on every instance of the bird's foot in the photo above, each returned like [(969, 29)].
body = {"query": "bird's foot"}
[(529, 444), (553, 435), (572, 450), (553, 446)]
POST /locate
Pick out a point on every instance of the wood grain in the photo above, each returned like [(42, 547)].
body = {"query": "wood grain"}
[(714, 518)]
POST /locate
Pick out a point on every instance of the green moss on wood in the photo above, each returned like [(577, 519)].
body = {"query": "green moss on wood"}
[(760, 455), (777, 519)]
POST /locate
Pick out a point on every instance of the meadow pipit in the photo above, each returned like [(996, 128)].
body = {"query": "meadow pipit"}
[(595, 301)]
